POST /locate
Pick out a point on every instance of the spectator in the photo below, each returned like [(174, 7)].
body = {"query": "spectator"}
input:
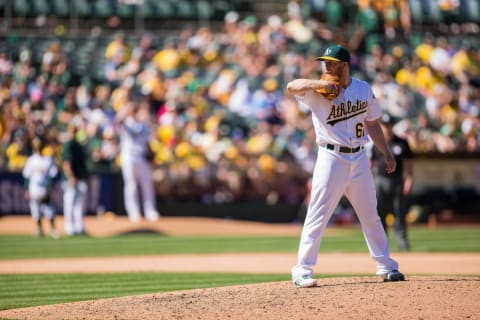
[(118, 47), (190, 76)]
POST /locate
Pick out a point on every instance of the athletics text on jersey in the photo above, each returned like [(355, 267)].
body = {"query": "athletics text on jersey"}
[(341, 121)]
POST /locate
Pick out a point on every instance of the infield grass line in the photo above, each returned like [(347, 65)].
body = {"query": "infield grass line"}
[(27, 290), (451, 239)]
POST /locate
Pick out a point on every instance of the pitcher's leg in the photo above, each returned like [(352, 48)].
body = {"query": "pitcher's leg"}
[(148, 193), (130, 191), (327, 188), (361, 193)]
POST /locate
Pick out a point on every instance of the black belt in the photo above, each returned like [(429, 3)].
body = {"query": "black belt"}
[(343, 149)]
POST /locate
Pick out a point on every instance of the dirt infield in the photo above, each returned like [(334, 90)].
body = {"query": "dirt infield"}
[(436, 286), (339, 298)]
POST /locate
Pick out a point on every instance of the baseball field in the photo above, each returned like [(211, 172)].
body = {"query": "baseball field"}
[(199, 268)]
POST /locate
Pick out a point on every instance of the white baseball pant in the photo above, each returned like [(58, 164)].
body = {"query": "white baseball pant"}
[(336, 174)]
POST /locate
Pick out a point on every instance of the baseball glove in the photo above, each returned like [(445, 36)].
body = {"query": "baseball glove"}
[(335, 86)]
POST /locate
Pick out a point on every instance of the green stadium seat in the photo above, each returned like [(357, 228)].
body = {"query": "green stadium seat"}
[(41, 7), (82, 8), (124, 10), (99, 61), (61, 8), (470, 10), (68, 46), (205, 10), (148, 9), (185, 9), (433, 13), (416, 11), (221, 9), (21, 8), (164, 9), (103, 8)]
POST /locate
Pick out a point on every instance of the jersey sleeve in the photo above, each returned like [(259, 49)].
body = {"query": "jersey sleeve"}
[(132, 126), (373, 112), (26, 172), (305, 101)]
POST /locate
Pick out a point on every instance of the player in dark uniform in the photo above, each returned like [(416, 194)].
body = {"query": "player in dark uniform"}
[(74, 165), (393, 188)]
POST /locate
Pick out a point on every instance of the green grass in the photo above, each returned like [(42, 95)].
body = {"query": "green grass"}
[(344, 240), (444, 239), (38, 289), (17, 247), (26, 290)]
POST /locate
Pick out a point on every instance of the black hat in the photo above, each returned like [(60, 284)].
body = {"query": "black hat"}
[(336, 53)]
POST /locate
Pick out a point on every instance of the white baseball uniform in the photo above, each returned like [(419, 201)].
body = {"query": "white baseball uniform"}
[(39, 170), (134, 138), (339, 126)]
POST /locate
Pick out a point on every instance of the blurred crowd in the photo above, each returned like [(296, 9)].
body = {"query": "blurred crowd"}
[(222, 127)]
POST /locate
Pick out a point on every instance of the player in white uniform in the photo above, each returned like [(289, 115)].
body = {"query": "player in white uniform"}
[(134, 140), (39, 171), (342, 167)]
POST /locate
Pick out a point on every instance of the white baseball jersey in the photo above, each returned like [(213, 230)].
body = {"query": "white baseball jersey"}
[(39, 169), (134, 138), (342, 122)]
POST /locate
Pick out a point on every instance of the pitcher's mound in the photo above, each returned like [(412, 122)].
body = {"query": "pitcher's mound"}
[(419, 297)]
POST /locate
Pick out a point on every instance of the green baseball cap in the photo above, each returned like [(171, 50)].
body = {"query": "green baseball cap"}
[(336, 53)]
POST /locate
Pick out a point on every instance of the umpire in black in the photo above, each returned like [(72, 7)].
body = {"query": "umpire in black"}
[(393, 188)]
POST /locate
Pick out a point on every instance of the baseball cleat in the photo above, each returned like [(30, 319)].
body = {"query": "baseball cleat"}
[(393, 275), (54, 234), (304, 282)]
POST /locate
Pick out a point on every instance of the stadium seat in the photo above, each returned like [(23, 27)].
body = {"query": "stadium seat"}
[(416, 11), (68, 46), (470, 10), (97, 71), (221, 8), (184, 9), (82, 8), (205, 9), (21, 8), (61, 8), (164, 9), (41, 7), (103, 8), (82, 56), (148, 9), (432, 13), (124, 10)]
